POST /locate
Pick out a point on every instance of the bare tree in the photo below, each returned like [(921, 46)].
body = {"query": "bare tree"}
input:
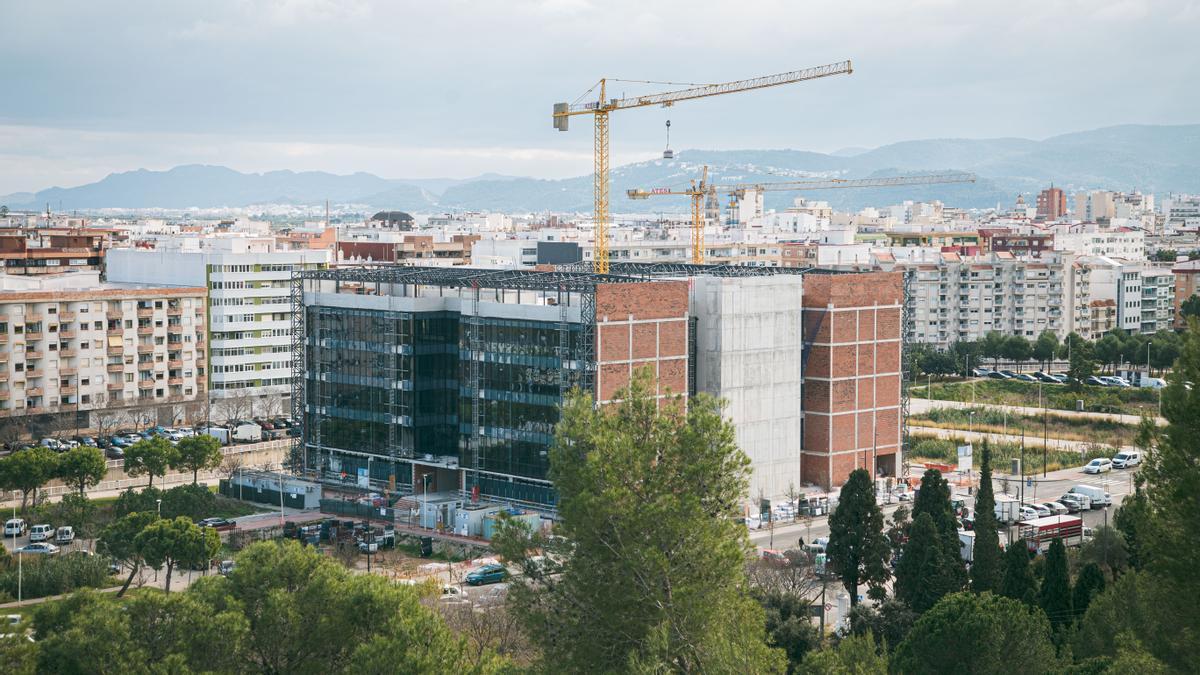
[(236, 407), (794, 575), (106, 420), (195, 411), (232, 464), (271, 406), (494, 629), (140, 417), (11, 432)]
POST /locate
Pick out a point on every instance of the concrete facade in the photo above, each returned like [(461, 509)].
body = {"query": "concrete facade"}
[(749, 352)]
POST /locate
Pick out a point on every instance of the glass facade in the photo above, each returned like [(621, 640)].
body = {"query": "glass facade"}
[(391, 386)]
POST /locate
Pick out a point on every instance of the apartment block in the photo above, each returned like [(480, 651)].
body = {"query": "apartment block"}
[(1187, 284), (409, 250), (51, 250), (71, 344), (249, 310), (1051, 204), (957, 298)]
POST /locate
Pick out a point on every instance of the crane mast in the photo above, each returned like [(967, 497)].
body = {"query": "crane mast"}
[(600, 108)]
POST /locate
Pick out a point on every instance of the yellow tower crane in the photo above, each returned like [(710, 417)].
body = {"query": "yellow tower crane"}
[(600, 108), (697, 193)]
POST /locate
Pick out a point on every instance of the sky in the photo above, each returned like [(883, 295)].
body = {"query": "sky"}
[(458, 88)]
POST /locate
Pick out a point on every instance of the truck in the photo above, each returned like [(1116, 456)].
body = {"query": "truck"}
[(247, 432), (1039, 532), (219, 433), (966, 545), (1008, 510)]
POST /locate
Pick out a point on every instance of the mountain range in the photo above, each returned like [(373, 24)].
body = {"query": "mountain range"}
[(1156, 159)]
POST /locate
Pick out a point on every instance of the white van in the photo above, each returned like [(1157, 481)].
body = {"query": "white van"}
[(1076, 502), (1098, 465), (14, 527), (1152, 382), (1126, 459), (1099, 497), (41, 533)]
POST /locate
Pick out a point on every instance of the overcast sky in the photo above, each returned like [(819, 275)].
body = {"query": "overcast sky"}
[(457, 88)]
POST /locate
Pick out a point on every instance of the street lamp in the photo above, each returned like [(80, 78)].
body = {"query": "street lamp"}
[(158, 502)]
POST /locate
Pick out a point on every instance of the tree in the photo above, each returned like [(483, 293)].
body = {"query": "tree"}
[(924, 575), (936, 362), (858, 550), (1082, 364), (1018, 582), (1190, 307), (789, 626), (985, 559), (81, 467), (118, 540), (1088, 585), (1054, 595), (1130, 520), (934, 499), (105, 421), (653, 573), (238, 406), (27, 470), (1138, 608), (149, 457), (197, 453), (1045, 348), (980, 634), (889, 622), (176, 542), (854, 655), (1108, 350), (992, 347), (1106, 550), (1017, 349)]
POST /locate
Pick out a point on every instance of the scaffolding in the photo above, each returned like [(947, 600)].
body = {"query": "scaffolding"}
[(907, 355), (298, 454)]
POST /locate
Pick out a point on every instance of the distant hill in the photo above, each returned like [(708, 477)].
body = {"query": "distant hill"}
[(1149, 158)]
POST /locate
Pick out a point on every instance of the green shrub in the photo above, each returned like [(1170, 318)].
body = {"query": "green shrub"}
[(53, 575)]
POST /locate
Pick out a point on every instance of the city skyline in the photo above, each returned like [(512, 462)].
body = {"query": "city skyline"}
[(405, 91)]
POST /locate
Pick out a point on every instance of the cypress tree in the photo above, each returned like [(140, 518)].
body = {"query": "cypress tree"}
[(1017, 582), (924, 574), (858, 548), (934, 500), (1054, 596), (1088, 585), (985, 565)]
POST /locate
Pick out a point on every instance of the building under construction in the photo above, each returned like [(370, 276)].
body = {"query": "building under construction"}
[(450, 380)]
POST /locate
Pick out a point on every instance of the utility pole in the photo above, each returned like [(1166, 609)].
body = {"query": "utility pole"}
[(1045, 430), (1022, 486)]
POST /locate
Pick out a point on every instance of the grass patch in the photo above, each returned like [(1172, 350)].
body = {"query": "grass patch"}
[(1127, 401), (990, 420), (945, 451)]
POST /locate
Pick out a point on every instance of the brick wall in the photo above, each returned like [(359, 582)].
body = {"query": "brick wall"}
[(851, 396), (641, 325)]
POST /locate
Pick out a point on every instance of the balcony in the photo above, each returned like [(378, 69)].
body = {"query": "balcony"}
[(114, 316), (145, 330), (116, 386), (66, 353), (33, 318), (68, 371), (33, 354), (177, 381), (4, 395), (174, 363), (3, 376), (33, 391), (3, 338), (174, 345), (35, 372), (145, 384), (145, 313), (34, 335), (116, 332), (66, 316), (145, 349), (116, 367), (66, 391), (66, 333), (174, 311)]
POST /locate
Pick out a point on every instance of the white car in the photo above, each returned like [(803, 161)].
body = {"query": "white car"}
[(1029, 513), (1098, 465), (1042, 511), (40, 532), (14, 527), (1127, 459), (39, 548)]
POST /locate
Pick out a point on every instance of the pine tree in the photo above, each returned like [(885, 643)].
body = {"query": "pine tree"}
[(1054, 597), (924, 574), (858, 548), (934, 499), (1018, 582), (985, 563), (1088, 585)]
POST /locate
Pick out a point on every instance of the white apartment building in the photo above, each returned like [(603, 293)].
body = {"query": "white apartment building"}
[(955, 298), (1089, 239), (249, 302), (1182, 212), (71, 345), (1144, 296)]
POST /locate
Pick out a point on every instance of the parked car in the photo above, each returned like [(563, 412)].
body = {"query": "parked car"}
[(1152, 382), (1095, 381), (1056, 509), (114, 452), (981, 372), (1098, 465), (1076, 502), (488, 574), (40, 548), (64, 535), (1127, 459), (1025, 377), (997, 375), (1045, 377), (1042, 511), (41, 532), (1029, 513), (87, 440), (1060, 378), (1114, 381), (217, 523), (14, 527), (51, 443), (225, 567)]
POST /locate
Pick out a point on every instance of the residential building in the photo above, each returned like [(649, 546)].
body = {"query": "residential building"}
[(1187, 284), (1182, 212), (250, 310), (74, 346), (1158, 300), (1051, 204), (1089, 239), (1019, 243), (411, 249), (52, 250), (955, 298), (458, 373)]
